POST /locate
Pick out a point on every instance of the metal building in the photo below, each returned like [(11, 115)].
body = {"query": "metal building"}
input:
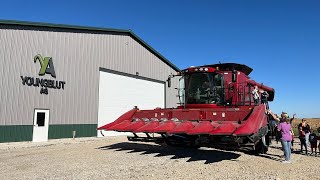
[(58, 81)]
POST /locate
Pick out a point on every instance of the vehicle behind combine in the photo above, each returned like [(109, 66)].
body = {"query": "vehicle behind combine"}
[(216, 109)]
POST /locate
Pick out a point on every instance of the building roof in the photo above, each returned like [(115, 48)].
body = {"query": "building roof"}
[(88, 28)]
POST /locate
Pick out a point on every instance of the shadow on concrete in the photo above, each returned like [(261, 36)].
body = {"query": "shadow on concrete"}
[(275, 156), (295, 151), (271, 156), (208, 155)]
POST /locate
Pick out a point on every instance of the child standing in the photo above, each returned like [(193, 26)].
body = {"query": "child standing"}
[(313, 141)]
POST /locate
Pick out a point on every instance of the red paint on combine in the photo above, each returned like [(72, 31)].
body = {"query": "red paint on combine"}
[(218, 105)]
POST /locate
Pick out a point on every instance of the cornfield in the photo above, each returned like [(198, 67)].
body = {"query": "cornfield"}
[(314, 123)]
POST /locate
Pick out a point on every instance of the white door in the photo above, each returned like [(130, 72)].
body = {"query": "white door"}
[(40, 125), (119, 94)]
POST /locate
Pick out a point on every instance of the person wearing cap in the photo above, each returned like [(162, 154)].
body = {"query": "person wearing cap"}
[(280, 119), (282, 116), (285, 128)]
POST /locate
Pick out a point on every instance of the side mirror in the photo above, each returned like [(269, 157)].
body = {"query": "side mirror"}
[(234, 76)]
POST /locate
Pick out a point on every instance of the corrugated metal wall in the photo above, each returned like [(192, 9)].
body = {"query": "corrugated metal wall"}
[(77, 57)]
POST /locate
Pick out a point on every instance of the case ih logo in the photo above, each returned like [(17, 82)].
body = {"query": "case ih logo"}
[(46, 67)]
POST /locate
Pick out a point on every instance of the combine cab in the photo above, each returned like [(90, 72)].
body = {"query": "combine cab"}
[(216, 109)]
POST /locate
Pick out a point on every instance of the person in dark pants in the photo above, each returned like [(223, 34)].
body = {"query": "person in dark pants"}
[(292, 133), (277, 134), (313, 141), (272, 126), (319, 139), (304, 132), (302, 137), (284, 116)]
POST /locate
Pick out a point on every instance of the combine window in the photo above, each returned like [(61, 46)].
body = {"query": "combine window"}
[(204, 88), (181, 91)]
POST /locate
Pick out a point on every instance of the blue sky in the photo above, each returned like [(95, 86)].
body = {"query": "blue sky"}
[(279, 39)]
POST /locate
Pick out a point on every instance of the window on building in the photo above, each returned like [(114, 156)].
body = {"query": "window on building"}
[(40, 118)]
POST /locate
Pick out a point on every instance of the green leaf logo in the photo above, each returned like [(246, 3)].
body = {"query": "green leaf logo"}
[(46, 65)]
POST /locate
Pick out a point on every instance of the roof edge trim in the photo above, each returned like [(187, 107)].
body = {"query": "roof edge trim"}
[(90, 28)]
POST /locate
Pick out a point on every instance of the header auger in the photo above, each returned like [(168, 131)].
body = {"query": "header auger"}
[(216, 109)]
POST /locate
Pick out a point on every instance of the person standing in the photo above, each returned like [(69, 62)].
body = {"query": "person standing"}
[(292, 133), (302, 137), (273, 126), (319, 139), (280, 120), (313, 141), (256, 97), (292, 137), (286, 138), (264, 97), (304, 128)]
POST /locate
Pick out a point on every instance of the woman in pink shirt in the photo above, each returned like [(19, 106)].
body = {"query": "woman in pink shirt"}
[(285, 129)]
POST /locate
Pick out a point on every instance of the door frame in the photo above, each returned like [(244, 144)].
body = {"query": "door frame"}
[(46, 124)]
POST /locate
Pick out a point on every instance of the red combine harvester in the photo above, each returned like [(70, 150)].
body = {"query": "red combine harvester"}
[(216, 109)]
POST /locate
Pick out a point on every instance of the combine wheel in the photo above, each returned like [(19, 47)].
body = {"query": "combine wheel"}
[(261, 147)]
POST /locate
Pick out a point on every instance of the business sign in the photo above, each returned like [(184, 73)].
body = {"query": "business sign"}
[(46, 67)]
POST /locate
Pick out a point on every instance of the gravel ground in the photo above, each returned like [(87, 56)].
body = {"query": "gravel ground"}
[(116, 158)]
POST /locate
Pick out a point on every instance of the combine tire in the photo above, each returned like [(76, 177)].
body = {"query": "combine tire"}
[(261, 147)]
